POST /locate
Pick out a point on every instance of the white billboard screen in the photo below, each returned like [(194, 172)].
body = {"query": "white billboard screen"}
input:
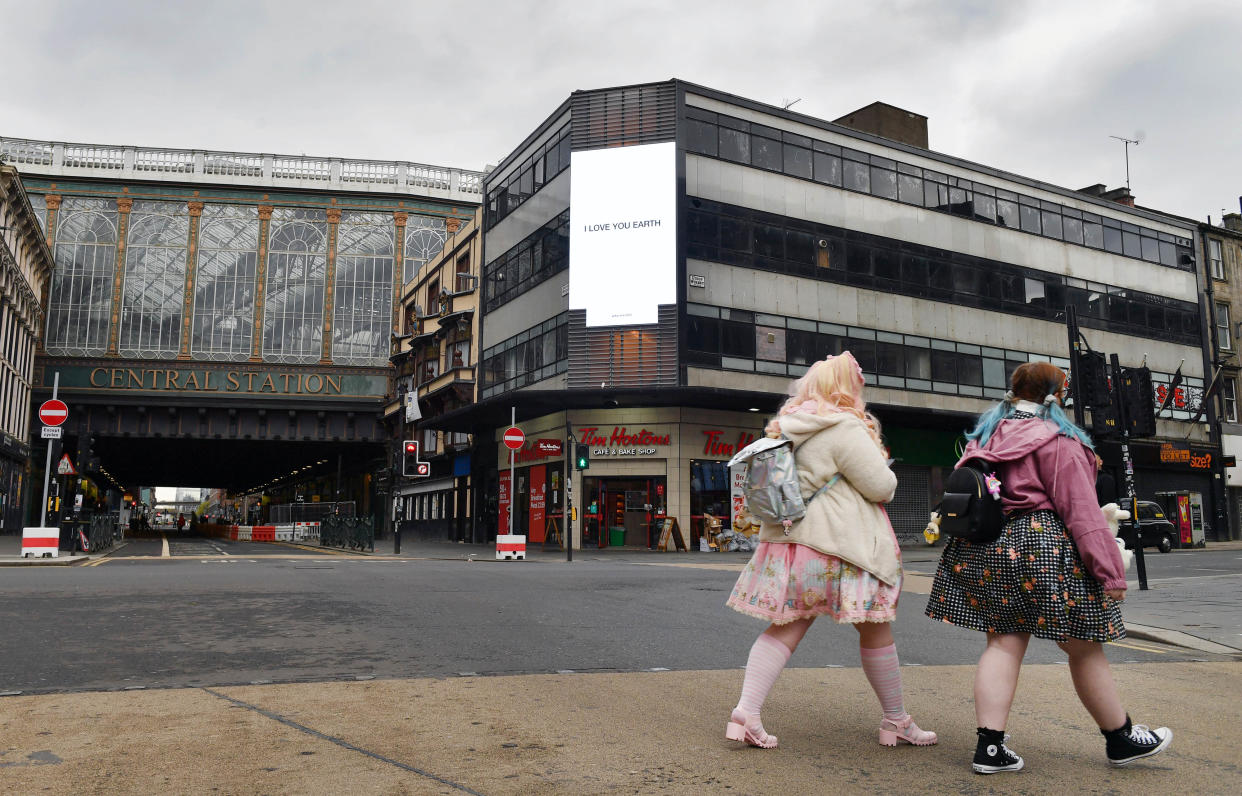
[(623, 233)]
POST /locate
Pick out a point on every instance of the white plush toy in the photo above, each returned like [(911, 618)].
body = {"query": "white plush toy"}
[(1115, 515)]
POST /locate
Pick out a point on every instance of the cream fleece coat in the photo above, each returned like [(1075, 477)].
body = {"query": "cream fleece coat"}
[(847, 520)]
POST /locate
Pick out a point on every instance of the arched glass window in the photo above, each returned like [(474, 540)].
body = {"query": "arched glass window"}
[(228, 256), (297, 261), (424, 238), (80, 300), (362, 316), (154, 291)]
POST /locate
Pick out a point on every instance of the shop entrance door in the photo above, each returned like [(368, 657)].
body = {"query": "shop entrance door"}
[(624, 510)]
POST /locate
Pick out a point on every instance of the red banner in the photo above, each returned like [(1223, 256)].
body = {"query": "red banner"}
[(503, 512), (538, 502)]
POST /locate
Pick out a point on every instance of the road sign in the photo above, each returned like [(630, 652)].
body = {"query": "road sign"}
[(51, 432), (514, 438), (53, 412), (66, 466)]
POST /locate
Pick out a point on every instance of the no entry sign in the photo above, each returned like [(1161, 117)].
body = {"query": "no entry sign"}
[(514, 438), (53, 412)]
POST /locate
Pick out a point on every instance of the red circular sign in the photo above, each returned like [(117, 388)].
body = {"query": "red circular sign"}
[(514, 438), (53, 412)]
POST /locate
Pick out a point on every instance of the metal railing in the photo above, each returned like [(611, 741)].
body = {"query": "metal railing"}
[(355, 533), (310, 512), (55, 158)]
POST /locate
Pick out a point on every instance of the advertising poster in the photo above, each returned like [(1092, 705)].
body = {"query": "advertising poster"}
[(623, 233), (1183, 519), (503, 509), (538, 501)]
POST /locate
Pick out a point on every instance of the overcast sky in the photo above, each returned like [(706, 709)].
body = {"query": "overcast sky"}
[(1035, 88)]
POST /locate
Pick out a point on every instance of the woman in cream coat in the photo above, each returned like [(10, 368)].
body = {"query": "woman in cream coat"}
[(841, 560)]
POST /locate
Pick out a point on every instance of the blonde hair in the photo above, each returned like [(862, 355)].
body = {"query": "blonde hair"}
[(834, 384)]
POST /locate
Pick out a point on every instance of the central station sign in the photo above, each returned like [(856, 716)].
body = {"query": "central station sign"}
[(208, 379)]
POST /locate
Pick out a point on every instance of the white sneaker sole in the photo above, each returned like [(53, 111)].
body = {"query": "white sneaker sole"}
[(1164, 744), (979, 768)]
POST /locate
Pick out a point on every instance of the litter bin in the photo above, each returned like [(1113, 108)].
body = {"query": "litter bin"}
[(616, 536)]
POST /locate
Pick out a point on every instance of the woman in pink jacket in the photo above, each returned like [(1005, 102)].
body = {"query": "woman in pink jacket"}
[(1055, 572)]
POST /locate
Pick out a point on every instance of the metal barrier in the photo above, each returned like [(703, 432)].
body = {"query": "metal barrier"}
[(356, 533), (309, 512)]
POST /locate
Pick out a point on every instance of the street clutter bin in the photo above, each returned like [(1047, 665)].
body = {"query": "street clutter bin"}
[(40, 542), (616, 536)]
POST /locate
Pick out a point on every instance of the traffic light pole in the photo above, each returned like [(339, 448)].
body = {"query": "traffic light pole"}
[(569, 491), (47, 467), (1123, 420)]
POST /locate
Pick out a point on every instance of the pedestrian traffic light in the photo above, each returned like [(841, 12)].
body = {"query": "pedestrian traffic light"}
[(582, 456), (1093, 380), (411, 467), (1136, 392)]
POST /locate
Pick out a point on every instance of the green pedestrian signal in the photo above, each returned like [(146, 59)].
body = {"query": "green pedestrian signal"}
[(582, 456)]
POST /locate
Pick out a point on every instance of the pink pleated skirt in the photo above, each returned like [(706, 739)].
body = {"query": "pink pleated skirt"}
[(783, 582)]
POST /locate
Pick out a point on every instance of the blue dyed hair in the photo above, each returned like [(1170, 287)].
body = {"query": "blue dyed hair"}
[(989, 420)]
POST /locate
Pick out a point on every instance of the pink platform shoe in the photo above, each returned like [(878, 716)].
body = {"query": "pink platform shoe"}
[(742, 727), (894, 730)]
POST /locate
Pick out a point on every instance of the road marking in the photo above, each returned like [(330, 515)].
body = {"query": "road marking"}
[(164, 550), (1139, 648)]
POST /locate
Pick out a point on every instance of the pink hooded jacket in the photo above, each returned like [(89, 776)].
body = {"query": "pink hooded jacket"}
[(1042, 469)]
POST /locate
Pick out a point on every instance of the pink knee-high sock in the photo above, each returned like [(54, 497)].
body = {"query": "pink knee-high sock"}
[(883, 671), (767, 658)]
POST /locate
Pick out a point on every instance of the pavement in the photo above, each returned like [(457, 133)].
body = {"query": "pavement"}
[(652, 732)]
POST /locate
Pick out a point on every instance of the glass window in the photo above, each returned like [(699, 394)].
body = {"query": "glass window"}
[(1007, 213), (864, 353), (362, 306), (827, 168), (734, 145), (918, 363), (765, 153), (886, 264), (769, 241), (1229, 397), (734, 234), (80, 297), (701, 227), (883, 182), (944, 366), (737, 339), (797, 161), (1168, 254), (1052, 223), (1130, 244), (1073, 230), (800, 247), (297, 260), (889, 359), (935, 195), (857, 176), (424, 238), (1151, 249), (985, 208), (228, 252), (803, 347), (994, 373), (1028, 217), (1216, 259), (154, 291), (1093, 234), (1223, 338), (1112, 240), (970, 370), (701, 137), (910, 189)]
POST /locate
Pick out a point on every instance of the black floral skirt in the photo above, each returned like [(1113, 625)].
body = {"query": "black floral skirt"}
[(1030, 580)]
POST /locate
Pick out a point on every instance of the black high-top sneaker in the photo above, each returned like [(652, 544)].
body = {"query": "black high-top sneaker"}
[(992, 756), (1132, 742)]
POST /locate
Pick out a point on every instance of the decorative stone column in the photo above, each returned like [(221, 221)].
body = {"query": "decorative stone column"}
[(53, 215), (260, 287), (398, 270), (191, 269), (329, 286), (123, 206)]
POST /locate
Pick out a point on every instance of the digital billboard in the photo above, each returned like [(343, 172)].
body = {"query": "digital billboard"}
[(623, 236)]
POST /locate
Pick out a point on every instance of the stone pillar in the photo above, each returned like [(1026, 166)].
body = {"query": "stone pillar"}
[(329, 285), (398, 270), (260, 287), (123, 206), (53, 214), (191, 269)]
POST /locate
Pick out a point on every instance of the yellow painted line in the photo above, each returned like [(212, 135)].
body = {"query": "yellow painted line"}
[(164, 550), (97, 563), (1139, 648)]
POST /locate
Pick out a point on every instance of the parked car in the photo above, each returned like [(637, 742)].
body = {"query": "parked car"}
[(1156, 530)]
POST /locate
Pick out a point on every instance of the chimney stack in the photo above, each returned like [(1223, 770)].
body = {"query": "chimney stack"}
[(1233, 221), (888, 121)]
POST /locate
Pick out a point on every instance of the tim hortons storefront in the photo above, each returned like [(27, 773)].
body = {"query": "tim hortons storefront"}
[(646, 466)]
